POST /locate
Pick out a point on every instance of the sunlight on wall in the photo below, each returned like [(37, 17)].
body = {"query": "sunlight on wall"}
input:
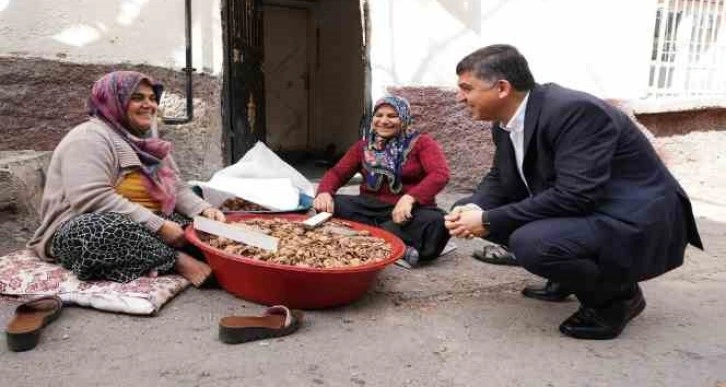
[(130, 10), (4, 4), (572, 42), (78, 35), (180, 56)]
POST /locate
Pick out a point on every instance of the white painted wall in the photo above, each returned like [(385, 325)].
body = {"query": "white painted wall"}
[(112, 31), (599, 46)]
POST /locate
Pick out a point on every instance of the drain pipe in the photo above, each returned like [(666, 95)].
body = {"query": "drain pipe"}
[(188, 69)]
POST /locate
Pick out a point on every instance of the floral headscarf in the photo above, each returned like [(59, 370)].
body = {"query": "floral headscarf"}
[(384, 157), (109, 102)]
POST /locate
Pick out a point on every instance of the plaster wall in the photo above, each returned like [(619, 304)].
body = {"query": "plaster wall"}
[(602, 47), (112, 31)]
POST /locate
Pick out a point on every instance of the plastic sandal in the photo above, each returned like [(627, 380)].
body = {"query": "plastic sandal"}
[(277, 321), (23, 330)]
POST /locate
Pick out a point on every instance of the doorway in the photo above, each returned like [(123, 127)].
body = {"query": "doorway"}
[(302, 88), (287, 78)]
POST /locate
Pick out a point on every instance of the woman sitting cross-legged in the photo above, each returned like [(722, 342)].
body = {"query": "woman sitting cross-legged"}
[(114, 206), (403, 171)]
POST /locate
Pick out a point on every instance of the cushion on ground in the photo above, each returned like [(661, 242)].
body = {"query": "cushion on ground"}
[(23, 273)]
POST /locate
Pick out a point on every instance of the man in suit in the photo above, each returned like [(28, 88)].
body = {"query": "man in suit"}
[(575, 191)]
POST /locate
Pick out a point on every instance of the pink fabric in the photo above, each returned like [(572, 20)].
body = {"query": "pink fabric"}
[(23, 273), (109, 101)]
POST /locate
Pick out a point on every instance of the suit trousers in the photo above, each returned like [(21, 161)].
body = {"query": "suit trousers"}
[(566, 250), (425, 231)]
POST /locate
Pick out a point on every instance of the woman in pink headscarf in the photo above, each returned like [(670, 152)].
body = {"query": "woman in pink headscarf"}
[(114, 206)]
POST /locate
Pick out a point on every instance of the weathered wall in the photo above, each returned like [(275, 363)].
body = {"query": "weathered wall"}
[(41, 100), (467, 143), (22, 177), (682, 122)]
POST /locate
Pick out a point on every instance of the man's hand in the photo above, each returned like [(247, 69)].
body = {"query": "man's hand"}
[(172, 234), (324, 202), (466, 207), (214, 214), (402, 210), (465, 224)]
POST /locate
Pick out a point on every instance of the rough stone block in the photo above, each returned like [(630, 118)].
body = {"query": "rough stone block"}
[(22, 179)]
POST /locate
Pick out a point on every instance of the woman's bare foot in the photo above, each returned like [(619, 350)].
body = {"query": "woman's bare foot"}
[(192, 269)]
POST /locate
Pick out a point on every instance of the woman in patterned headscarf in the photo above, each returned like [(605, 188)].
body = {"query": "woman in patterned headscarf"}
[(114, 205), (403, 171)]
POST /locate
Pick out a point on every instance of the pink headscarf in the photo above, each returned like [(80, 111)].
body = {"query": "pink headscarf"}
[(109, 102)]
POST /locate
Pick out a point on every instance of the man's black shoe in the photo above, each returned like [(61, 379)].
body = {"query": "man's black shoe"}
[(552, 291), (603, 323)]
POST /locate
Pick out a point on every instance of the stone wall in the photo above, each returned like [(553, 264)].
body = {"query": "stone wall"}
[(22, 177), (467, 143), (41, 100), (682, 122)]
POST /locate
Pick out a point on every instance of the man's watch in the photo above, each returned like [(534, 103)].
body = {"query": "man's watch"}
[(485, 219)]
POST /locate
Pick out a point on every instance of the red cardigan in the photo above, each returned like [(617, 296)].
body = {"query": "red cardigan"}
[(424, 174)]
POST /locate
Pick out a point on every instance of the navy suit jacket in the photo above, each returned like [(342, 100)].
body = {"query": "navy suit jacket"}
[(585, 158)]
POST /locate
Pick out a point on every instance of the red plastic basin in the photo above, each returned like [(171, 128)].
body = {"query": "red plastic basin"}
[(296, 287)]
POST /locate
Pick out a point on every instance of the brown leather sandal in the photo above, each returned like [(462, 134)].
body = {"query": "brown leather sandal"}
[(277, 321), (23, 330)]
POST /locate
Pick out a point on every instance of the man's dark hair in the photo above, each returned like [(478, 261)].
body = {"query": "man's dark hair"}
[(498, 61)]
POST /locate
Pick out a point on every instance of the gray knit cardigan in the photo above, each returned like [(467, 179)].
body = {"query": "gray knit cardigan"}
[(84, 169)]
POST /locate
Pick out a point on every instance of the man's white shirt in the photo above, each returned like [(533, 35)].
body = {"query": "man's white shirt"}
[(515, 127)]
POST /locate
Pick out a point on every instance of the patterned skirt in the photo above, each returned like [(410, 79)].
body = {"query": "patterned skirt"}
[(111, 246)]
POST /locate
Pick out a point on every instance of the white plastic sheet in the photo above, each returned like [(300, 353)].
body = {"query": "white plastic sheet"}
[(260, 176)]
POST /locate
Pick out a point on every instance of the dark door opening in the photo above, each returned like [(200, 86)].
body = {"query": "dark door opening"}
[(296, 78), (243, 101)]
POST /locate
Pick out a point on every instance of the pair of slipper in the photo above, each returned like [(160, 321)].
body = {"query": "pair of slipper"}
[(276, 321), (23, 331)]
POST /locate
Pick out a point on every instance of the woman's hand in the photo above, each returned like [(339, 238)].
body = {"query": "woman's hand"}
[(402, 210), (214, 214), (324, 202), (172, 234)]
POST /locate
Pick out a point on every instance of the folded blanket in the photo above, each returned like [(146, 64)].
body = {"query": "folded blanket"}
[(23, 273)]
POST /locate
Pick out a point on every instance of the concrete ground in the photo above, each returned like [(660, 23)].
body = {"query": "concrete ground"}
[(458, 322)]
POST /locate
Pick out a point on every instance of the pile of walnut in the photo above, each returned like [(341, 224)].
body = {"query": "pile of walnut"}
[(323, 247), (239, 204)]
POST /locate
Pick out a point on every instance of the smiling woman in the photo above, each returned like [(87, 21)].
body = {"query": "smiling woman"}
[(114, 205), (403, 172), (142, 108)]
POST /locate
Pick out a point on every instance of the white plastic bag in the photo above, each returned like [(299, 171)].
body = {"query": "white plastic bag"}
[(261, 177), (262, 163)]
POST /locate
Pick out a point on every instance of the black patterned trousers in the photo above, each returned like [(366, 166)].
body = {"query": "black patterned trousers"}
[(110, 246)]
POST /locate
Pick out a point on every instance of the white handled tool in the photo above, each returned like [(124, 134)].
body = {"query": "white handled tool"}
[(238, 233), (316, 220)]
